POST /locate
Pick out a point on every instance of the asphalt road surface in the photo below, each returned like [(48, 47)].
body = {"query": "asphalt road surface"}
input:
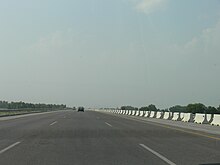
[(94, 138)]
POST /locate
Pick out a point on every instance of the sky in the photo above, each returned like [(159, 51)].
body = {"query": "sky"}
[(101, 53)]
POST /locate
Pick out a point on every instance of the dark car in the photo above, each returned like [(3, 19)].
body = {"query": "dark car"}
[(80, 109)]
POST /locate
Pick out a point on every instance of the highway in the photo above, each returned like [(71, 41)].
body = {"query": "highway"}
[(95, 138)]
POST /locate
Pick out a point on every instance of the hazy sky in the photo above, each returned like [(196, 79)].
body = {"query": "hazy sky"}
[(104, 53)]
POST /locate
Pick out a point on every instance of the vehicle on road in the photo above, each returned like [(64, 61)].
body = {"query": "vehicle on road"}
[(80, 109)]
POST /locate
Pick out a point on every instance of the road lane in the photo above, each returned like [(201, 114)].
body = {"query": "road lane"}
[(85, 138), (179, 146), (78, 139), (16, 129)]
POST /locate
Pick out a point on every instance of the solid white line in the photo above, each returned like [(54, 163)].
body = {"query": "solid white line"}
[(53, 123), (158, 155), (9, 147), (108, 124)]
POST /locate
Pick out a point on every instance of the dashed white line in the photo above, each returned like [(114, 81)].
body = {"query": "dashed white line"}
[(9, 147), (157, 154), (53, 123), (108, 124)]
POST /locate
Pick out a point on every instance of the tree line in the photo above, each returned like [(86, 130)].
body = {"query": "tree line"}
[(23, 105), (190, 108)]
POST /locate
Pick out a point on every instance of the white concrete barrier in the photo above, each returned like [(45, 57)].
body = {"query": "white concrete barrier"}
[(199, 118), (147, 114), (188, 117), (181, 115), (129, 112), (216, 120), (158, 115), (153, 114), (137, 113), (133, 112), (141, 113), (166, 115), (175, 116), (208, 119), (144, 112)]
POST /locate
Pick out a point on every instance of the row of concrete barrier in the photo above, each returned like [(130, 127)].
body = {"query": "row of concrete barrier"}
[(213, 119)]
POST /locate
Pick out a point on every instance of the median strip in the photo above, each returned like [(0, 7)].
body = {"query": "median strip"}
[(9, 147), (157, 154)]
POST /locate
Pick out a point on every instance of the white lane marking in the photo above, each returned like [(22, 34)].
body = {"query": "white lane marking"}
[(53, 123), (9, 147), (158, 155), (108, 124)]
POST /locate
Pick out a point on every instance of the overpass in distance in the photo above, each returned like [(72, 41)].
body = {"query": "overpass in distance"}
[(104, 138)]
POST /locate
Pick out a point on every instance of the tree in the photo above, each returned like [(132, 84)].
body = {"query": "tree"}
[(128, 108), (218, 110), (152, 107), (23, 105), (211, 110), (144, 109), (178, 108), (196, 108)]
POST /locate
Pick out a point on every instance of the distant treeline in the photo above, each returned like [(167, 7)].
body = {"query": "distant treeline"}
[(23, 105), (190, 108)]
